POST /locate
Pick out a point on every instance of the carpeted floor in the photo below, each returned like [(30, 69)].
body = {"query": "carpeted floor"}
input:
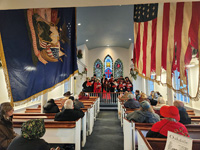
[(107, 133)]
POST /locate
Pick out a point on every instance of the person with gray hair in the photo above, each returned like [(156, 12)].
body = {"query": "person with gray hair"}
[(131, 102), (145, 114), (184, 118), (69, 113), (77, 103)]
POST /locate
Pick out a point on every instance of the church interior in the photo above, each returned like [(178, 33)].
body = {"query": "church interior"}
[(103, 42)]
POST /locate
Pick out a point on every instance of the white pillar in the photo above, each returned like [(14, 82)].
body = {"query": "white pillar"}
[(144, 89), (43, 101), (170, 96), (72, 84)]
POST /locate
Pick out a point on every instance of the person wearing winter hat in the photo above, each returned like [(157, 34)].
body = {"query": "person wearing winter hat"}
[(145, 114), (6, 126), (51, 107), (169, 123), (31, 132), (66, 96)]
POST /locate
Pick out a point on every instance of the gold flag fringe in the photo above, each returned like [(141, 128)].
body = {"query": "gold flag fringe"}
[(4, 66), (195, 98)]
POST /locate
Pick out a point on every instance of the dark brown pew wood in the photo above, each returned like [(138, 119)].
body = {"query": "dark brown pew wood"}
[(48, 124), (38, 110), (159, 143)]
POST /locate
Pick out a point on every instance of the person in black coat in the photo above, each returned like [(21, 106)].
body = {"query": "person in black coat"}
[(51, 107), (184, 118), (87, 85), (69, 113), (131, 102)]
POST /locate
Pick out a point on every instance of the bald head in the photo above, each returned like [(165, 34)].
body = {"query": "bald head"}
[(69, 104)]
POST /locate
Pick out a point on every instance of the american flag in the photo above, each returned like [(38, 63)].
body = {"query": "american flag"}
[(164, 35)]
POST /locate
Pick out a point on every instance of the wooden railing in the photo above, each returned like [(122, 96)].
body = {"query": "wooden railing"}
[(107, 98)]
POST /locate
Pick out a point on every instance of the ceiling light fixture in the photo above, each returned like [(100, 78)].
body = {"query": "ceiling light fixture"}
[(108, 45), (87, 40), (129, 39), (79, 24)]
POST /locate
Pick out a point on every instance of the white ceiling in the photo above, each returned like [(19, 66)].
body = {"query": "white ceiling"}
[(107, 25)]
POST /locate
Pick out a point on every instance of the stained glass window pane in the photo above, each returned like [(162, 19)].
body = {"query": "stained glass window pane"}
[(98, 68), (118, 68), (108, 66)]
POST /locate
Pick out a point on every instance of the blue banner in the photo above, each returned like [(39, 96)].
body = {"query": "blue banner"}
[(38, 49)]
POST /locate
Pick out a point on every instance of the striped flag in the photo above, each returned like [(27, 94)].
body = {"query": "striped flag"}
[(164, 35)]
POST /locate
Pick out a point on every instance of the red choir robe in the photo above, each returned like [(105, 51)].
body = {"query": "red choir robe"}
[(97, 87), (111, 80), (129, 86)]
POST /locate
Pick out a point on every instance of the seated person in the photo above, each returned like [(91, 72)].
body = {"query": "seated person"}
[(161, 102), (125, 95), (145, 114), (77, 103), (66, 96), (7, 133), (83, 96), (169, 123), (69, 113), (184, 118), (72, 98), (137, 94), (51, 107), (152, 98), (143, 97), (29, 139), (131, 102)]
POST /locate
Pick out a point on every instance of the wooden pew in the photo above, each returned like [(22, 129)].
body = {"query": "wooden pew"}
[(89, 112), (158, 143), (130, 138), (58, 131), (50, 117)]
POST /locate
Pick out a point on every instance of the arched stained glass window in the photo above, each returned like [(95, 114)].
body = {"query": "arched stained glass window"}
[(118, 68), (108, 66), (98, 68)]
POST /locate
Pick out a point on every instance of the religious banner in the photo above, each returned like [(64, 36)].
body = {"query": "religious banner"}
[(165, 35), (38, 50)]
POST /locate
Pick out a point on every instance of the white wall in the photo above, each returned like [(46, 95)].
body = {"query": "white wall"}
[(160, 88), (114, 52), (3, 88), (84, 49), (57, 92), (194, 75)]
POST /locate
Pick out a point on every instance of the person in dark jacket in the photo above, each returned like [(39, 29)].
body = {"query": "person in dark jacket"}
[(32, 131), (70, 113), (169, 123), (137, 94), (145, 114), (51, 107), (6, 126), (77, 103), (184, 118), (131, 102), (87, 85)]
